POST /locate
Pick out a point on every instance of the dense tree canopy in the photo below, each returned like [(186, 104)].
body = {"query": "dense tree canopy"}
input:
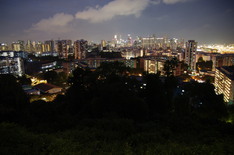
[(204, 65), (108, 112), (169, 66), (12, 97)]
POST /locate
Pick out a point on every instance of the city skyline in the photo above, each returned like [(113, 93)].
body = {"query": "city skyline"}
[(206, 21)]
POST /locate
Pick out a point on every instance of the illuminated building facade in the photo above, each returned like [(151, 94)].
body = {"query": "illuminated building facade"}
[(80, 49), (16, 46), (11, 62), (40, 47), (103, 44), (21, 54), (224, 83), (129, 41), (49, 45), (148, 42), (225, 60), (11, 65), (3, 47), (63, 47), (29, 46), (153, 66), (190, 54)]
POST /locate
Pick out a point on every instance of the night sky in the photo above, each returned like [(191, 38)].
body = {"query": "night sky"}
[(206, 21)]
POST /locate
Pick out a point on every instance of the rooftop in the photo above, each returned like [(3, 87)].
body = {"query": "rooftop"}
[(228, 71), (45, 86)]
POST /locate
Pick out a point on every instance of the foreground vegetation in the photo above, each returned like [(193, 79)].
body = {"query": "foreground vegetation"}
[(108, 112), (120, 137)]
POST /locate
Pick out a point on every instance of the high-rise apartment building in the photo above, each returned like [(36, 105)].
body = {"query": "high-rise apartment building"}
[(129, 41), (80, 49), (21, 42), (148, 42), (224, 83), (103, 44), (11, 62), (190, 54), (16, 46), (49, 46), (3, 47), (40, 47), (29, 46), (181, 43), (63, 47)]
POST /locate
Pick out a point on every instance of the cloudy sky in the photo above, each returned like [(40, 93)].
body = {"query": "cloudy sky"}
[(206, 21)]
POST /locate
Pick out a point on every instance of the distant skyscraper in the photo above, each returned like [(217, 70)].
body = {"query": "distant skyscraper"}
[(29, 46), (3, 47), (129, 41), (103, 43), (34, 45), (173, 43), (80, 49), (16, 46), (181, 43), (40, 47), (63, 47), (148, 42), (190, 54), (49, 45), (21, 42)]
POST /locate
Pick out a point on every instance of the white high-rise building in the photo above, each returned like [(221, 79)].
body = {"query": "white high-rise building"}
[(190, 54), (224, 83)]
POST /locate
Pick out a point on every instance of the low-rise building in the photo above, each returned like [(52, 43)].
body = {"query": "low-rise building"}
[(48, 88), (29, 90)]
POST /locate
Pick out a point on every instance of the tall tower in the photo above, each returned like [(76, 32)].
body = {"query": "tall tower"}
[(16, 46), (63, 47), (29, 46), (77, 52), (49, 46), (21, 42), (40, 47), (80, 49), (129, 41), (190, 54)]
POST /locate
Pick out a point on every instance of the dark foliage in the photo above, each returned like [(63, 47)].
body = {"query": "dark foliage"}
[(13, 100), (204, 65), (23, 80), (108, 112)]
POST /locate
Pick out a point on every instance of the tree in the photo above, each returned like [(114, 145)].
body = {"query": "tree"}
[(61, 79), (23, 80), (79, 76), (169, 66), (154, 95), (13, 100), (181, 105), (116, 100), (204, 101), (184, 66), (77, 96), (112, 68), (50, 76), (204, 65)]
